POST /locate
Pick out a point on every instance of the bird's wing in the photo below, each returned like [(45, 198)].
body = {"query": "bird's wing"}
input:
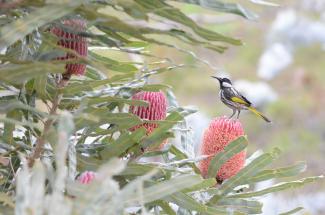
[(238, 98)]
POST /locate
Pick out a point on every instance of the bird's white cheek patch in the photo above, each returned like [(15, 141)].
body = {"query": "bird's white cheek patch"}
[(225, 84)]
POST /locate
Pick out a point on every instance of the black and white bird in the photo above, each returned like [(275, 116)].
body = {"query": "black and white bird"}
[(234, 100)]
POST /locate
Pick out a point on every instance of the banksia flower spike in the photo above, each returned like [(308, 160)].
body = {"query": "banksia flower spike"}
[(220, 133), (73, 41), (87, 177), (156, 110)]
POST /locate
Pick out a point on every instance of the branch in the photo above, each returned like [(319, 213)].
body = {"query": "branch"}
[(40, 142)]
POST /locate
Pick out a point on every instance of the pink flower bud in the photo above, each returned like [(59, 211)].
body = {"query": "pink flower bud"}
[(219, 134), (87, 177), (72, 41)]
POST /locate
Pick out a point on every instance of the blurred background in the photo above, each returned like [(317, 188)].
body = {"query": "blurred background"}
[(280, 68)]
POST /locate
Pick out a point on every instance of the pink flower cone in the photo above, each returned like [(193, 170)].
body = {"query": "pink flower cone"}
[(156, 110), (219, 134), (87, 177), (75, 42)]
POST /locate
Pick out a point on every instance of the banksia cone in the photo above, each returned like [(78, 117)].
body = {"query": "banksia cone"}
[(87, 177), (219, 134), (156, 110), (72, 41)]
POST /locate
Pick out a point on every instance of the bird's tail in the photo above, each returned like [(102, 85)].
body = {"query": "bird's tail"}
[(258, 114)]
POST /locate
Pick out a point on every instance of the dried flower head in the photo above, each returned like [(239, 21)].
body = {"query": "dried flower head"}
[(69, 38)]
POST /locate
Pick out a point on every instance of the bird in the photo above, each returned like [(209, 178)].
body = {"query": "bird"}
[(235, 100)]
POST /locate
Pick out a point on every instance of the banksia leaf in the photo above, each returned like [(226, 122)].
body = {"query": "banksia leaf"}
[(217, 136), (156, 110), (73, 41)]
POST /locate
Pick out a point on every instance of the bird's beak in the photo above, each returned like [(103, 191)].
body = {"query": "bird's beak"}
[(219, 79)]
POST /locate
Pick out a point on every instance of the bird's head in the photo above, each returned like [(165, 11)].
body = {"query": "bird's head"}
[(224, 82)]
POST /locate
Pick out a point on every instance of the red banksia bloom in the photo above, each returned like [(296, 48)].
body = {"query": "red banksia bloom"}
[(219, 134), (71, 40), (87, 177), (156, 110)]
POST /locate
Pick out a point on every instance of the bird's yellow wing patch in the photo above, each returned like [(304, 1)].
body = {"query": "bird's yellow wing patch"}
[(239, 100)]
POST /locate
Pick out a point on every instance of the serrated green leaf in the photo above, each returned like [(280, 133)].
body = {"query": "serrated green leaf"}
[(184, 111), (19, 73), (87, 163), (165, 207), (262, 2), (181, 155), (253, 156), (112, 64), (9, 105), (16, 122), (109, 22), (69, 103), (133, 9), (113, 26), (122, 144), (187, 38), (155, 87), (178, 153), (109, 99), (93, 74), (241, 205), (223, 7), (248, 171), (85, 86), (230, 150), (278, 187), (19, 28), (134, 169), (166, 188), (278, 173), (97, 116), (164, 10), (137, 44), (293, 211), (185, 201), (206, 183), (10, 127), (159, 134), (82, 86), (40, 83), (220, 211)]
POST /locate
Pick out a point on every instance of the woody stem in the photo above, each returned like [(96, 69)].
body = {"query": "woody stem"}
[(40, 142)]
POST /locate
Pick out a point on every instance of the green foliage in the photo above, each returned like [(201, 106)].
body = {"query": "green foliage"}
[(224, 7), (86, 124), (231, 149)]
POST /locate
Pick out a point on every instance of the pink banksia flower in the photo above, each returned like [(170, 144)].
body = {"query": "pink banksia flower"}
[(74, 41), (87, 177), (220, 133), (156, 110)]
